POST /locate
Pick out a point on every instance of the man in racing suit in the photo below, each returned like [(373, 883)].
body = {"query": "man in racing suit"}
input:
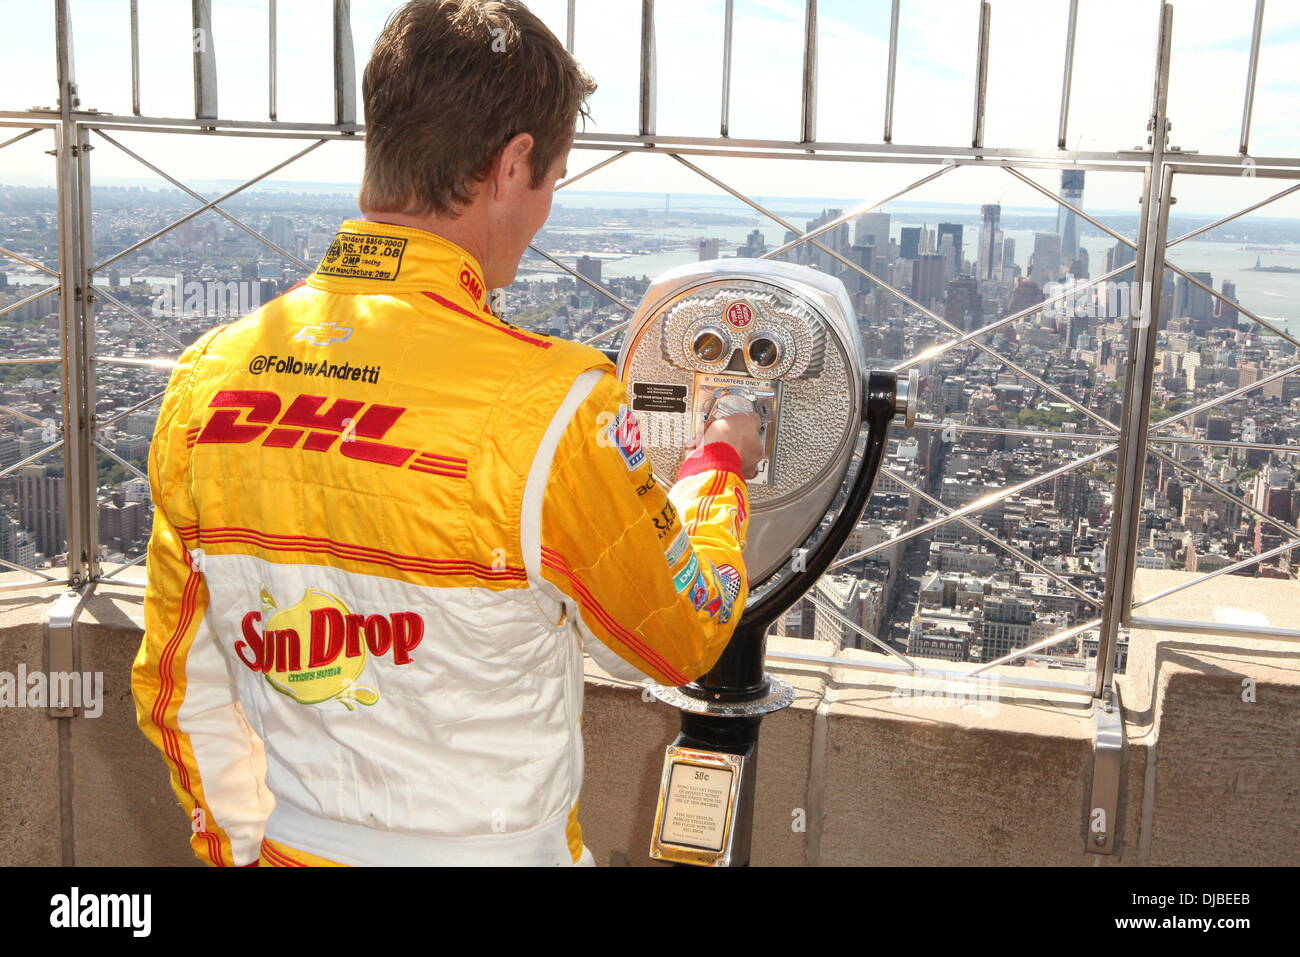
[(387, 525)]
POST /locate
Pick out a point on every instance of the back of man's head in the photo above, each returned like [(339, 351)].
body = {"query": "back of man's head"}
[(449, 83)]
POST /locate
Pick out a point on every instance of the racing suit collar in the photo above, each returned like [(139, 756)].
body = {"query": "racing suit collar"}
[(378, 258)]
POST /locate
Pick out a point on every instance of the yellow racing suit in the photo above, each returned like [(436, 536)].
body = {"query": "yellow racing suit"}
[(387, 526)]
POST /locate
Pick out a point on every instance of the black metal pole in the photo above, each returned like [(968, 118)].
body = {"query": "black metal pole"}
[(738, 676)]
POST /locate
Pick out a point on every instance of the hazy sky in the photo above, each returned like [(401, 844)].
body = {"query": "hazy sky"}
[(1110, 104)]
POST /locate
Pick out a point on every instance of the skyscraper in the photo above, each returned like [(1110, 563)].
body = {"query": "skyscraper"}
[(953, 230), (989, 262), (909, 242), (871, 229), (1067, 223)]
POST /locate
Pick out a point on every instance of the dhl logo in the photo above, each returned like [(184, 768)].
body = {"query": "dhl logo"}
[(246, 415)]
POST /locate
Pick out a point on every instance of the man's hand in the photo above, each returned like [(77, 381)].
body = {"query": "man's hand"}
[(740, 431)]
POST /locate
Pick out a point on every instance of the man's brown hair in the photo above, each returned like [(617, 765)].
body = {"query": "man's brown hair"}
[(447, 86)]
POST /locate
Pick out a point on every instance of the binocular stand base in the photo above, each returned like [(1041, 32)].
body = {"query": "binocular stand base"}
[(706, 795), (780, 694)]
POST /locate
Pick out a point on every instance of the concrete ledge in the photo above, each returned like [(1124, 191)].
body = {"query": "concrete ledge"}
[(864, 768)]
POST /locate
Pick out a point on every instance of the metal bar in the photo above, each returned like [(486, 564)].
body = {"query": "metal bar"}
[(34, 360), (1228, 219), (1214, 628), (22, 415), (891, 73), (21, 136), (591, 169), (1107, 774), (975, 506), (205, 207), (1070, 206), (1225, 570), (981, 530), (617, 327), (1251, 72), (345, 68), (568, 25), (1215, 486), (1140, 362), (31, 262), (234, 221), (808, 112), (1193, 440), (71, 280), (726, 68), (814, 600), (1239, 308), (125, 412), (272, 58), (131, 311), (205, 60), (121, 568), (32, 298), (1242, 390), (887, 666), (83, 482), (577, 275), (899, 294), (1047, 642), (42, 578), (1027, 433), (135, 57), (139, 473), (981, 75), (854, 213), (31, 458), (159, 363), (943, 347), (39, 583), (646, 126), (1068, 74)]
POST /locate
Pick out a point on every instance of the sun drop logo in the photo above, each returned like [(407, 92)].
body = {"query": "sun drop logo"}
[(327, 664)]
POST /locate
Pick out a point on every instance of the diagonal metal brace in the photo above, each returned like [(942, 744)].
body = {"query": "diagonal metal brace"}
[(1102, 825)]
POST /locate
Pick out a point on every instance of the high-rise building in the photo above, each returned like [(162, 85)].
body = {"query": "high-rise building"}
[(988, 264), (1121, 255), (1045, 263), (1191, 301), (953, 230), (1225, 316), (708, 249), (909, 242), (1067, 223), (963, 306), (590, 268), (927, 278), (871, 229), (40, 507)]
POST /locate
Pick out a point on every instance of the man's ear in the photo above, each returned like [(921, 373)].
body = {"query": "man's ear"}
[(512, 166)]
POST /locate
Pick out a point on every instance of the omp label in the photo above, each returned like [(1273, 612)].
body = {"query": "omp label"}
[(471, 282), (363, 256)]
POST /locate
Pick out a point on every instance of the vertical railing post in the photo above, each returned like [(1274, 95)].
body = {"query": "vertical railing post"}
[(1251, 71), (646, 124), (726, 68), (1149, 269), (1067, 75), (272, 59), (345, 70), (808, 118), (892, 73), (78, 452), (205, 60), (981, 75)]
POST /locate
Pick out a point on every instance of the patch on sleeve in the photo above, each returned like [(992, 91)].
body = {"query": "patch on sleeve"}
[(699, 592), (730, 579), (677, 549), (626, 435), (685, 576)]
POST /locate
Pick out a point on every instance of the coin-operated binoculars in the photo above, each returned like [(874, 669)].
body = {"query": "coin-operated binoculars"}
[(782, 340)]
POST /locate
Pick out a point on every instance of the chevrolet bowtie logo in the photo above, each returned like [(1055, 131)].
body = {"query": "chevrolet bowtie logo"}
[(324, 334)]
